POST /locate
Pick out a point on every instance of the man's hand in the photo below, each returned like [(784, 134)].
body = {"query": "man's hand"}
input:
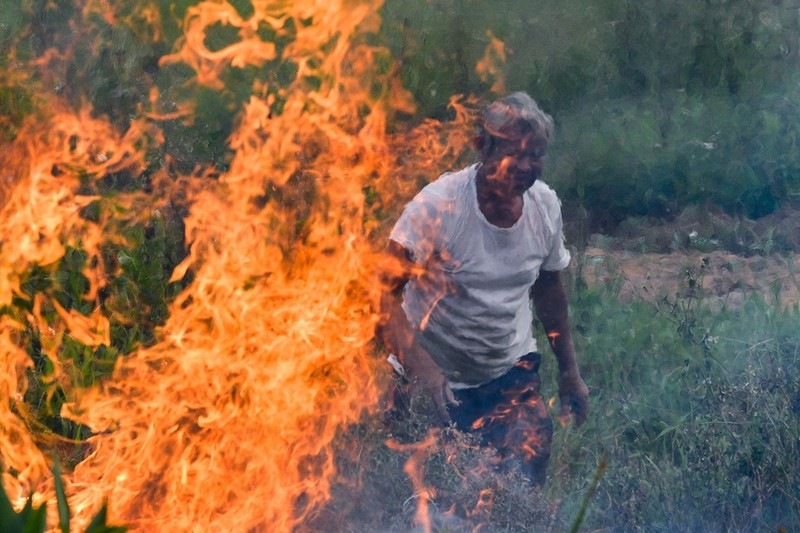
[(424, 375), (550, 301), (426, 378), (574, 396)]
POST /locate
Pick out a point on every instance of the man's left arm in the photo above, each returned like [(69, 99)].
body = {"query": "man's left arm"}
[(550, 302)]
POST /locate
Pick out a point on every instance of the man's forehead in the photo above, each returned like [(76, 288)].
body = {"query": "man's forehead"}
[(524, 140)]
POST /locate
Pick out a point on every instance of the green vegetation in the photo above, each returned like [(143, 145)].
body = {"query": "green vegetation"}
[(135, 301), (658, 105), (697, 416), (695, 426)]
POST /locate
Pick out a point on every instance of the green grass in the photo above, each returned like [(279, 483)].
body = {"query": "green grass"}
[(698, 413), (695, 425)]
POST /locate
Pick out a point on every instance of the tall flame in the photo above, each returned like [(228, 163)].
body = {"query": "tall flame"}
[(226, 422)]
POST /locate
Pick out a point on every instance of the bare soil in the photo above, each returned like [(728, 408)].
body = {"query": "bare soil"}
[(730, 257), (723, 277)]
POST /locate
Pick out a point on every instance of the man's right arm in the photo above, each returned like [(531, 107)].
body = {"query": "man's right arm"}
[(398, 335)]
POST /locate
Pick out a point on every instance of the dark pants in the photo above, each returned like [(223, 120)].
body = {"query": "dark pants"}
[(510, 415)]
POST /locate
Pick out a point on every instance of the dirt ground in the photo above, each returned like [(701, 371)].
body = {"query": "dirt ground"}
[(726, 277), (741, 257)]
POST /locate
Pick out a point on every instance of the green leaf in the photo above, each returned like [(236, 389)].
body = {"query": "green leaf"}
[(98, 524), (36, 519), (61, 497), (9, 520), (26, 511)]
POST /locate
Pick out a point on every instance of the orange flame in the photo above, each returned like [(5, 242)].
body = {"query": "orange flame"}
[(484, 503), (226, 422), (415, 467), (40, 218), (490, 65)]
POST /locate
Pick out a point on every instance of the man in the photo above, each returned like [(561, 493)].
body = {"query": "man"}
[(471, 251)]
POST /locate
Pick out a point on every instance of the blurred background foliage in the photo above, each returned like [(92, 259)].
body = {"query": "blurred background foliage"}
[(658, 105)]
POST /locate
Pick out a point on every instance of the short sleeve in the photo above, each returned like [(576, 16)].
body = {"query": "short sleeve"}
[(418, 228), (558, 257)]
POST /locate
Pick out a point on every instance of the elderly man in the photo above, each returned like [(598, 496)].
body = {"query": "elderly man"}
[(474, 248)]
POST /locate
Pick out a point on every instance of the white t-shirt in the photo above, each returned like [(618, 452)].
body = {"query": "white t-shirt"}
[(470, 305)]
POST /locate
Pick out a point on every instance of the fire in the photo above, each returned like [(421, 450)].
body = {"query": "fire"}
[(415, 468), (226, 421), (484, 503), (488, 68), (40, 219)]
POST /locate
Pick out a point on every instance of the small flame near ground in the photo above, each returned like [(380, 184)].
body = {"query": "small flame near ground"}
[(226, 422), (415, 469)]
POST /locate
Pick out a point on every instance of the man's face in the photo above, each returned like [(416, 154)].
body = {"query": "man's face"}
[(514, 164)]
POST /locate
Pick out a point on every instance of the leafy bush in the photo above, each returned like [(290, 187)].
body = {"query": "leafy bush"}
[(658, 105)]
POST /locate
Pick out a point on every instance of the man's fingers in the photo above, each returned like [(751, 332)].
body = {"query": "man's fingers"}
[(575, 406), (440, 399), (580, 410), (438, 393), (448, 394), (566, 405), (444, 416), (574, 397)]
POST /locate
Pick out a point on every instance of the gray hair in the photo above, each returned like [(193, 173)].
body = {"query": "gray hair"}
[(509, 117)]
